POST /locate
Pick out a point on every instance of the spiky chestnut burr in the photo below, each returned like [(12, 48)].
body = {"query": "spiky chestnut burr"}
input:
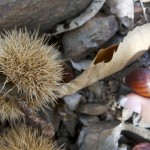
[(9, 110), (22, 137), (32, 66)]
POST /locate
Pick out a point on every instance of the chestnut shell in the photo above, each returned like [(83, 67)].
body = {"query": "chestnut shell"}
[(139, 81)]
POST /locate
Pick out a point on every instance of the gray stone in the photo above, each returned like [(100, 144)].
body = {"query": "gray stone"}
[(97, 88), (90, 97), (62, 141), (69, 120), (88, 120), (82, 41), (115, 40), (72, 101), (90, 137), (92, 109), (51, 116), (114, 86), (71, 125), (32, 13)]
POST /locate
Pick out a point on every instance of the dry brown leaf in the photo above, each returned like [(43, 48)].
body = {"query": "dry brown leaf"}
[(111, 60)]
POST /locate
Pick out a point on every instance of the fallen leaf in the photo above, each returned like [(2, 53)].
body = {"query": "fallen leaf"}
[(111, 60), (105, 55)]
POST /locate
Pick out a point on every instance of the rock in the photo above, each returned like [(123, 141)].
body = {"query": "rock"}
[(82, 41), (97, 88), (71, 123), (32, 13), (63, 131), (92, 109), (115, 40), (90, 137), (88, 120), (51, 116), (114, 86), (123, 10), (63, 136), (90, 97), (138, 121), (124, 90), (66, 144), (137, 11), (144, 60), (69, 120), (62, 141), (72, 101), (81, 65), (114, 138), (111, 136)]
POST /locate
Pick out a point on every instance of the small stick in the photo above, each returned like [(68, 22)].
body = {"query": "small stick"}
[(144, 10), (46, 128)]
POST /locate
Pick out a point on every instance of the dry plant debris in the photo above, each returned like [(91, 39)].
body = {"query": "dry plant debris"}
[(83, 18), (112, 59), (9, 110), (25, 64), (22, 137)]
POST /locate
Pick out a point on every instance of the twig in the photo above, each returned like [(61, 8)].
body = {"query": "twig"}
[(89, 13), (144, 11), (46, 128)]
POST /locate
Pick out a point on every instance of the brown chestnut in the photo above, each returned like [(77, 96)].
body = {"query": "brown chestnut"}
[(139, 81)]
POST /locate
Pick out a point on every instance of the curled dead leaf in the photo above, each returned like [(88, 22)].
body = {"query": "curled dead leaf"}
[(112, 59), (105, 55)]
